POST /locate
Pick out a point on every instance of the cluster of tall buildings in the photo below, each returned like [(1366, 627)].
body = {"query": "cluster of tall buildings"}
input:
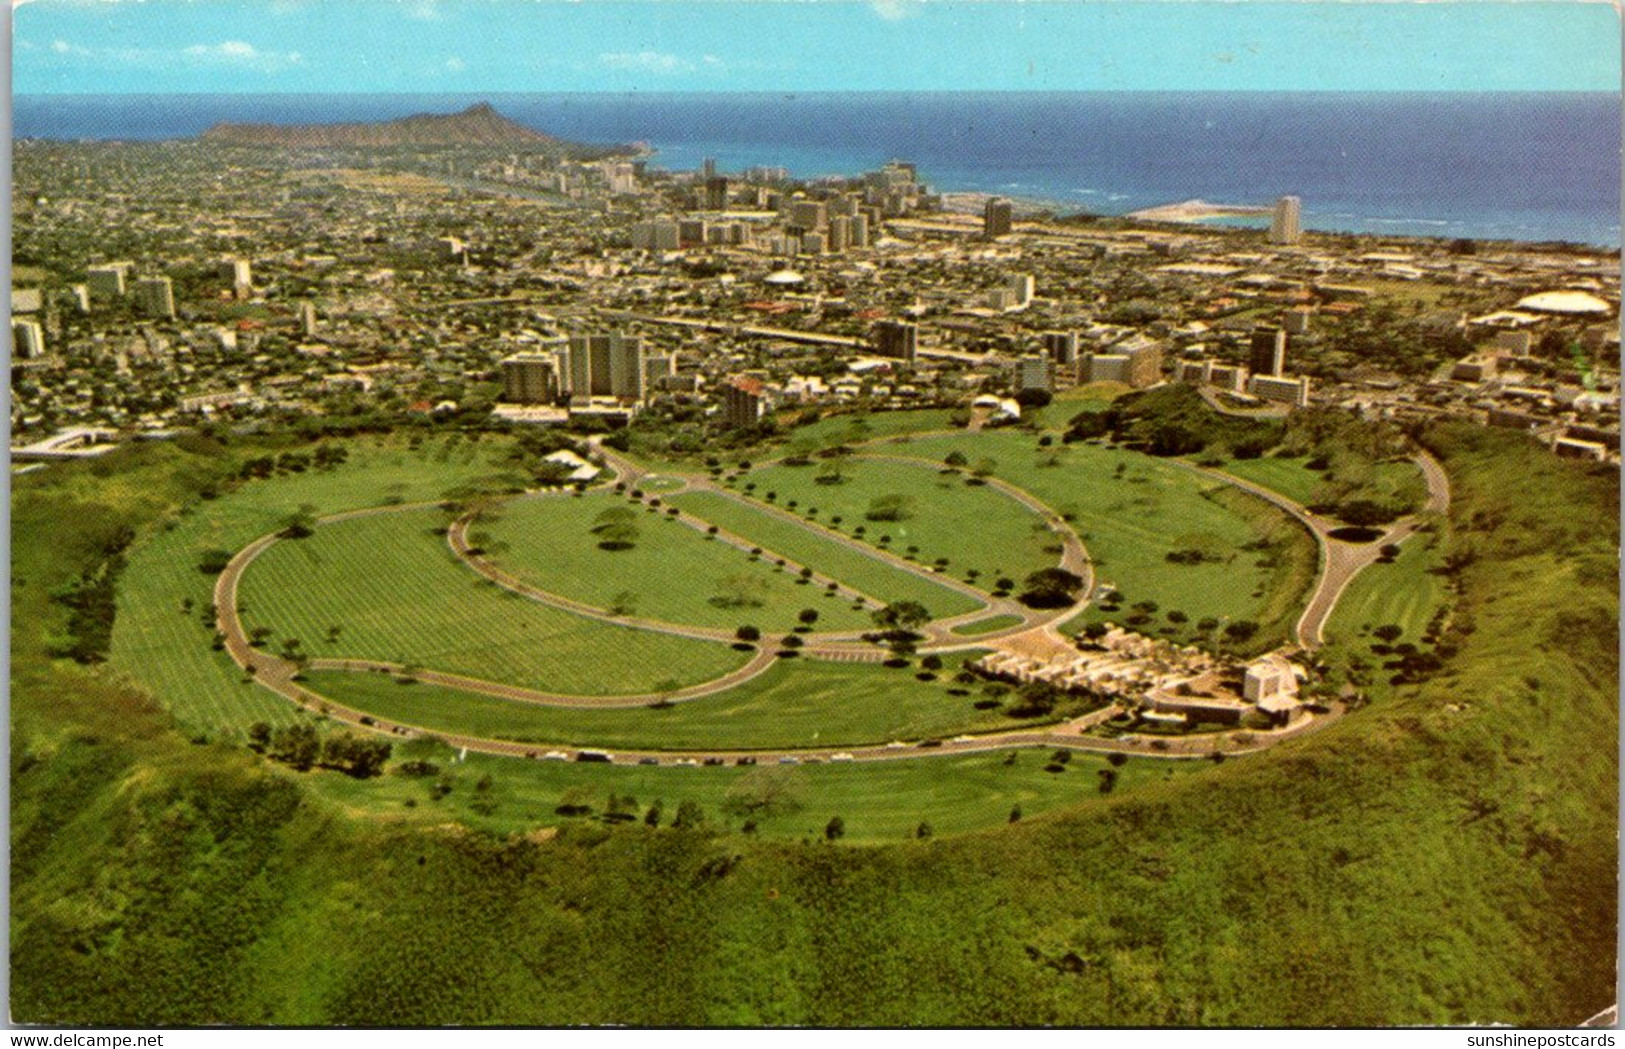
[(614, 366), (896, 339), (1264, 376)]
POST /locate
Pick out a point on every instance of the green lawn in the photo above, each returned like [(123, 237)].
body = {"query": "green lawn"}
[(797, 703), (397, 593), (856, 428), (1132, 510), (167, 651), (672, 573), (1290, 476), (986, 626), (1006, 538), (824, 554), (1405, 593), (880, 801)]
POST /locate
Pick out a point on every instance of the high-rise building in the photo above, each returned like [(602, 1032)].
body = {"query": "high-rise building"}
[(607, 366), (1061, 346), (716, 193), (898, 339), (840, 233), (155, 297), (1286, 224), (1294, 392), (744, 401), (1019, 286), (1036, 372), (656, 235), (239, 273), (690, 232), (530, 378), (806, 215), (860, 230), (107, 282), (80, 294), (27, 338), (1137, 364), (657, 369), (708, 167), (1267, 355), (996, 217), (307, 318)]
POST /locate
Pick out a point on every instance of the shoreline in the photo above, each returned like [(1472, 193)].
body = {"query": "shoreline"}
[(1197, 211)]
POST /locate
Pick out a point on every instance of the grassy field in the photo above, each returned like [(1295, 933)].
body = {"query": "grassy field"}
[(797, 703), (1405, 593), (823, 554), (857, 428), (1132, 511), (672, 573), (397, 593), (1289, 476), (1008, 539), (986, 626), (166, 649)]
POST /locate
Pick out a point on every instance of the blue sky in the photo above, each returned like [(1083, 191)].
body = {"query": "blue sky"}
[(163, 46)]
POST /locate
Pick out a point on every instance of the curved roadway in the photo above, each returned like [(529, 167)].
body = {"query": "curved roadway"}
[(1340, 562)]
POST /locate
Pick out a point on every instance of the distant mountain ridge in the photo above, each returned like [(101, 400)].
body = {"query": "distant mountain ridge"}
[(478, 125)]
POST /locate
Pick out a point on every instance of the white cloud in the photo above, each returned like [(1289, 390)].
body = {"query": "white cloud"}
[(455, 64), (237, 54), (241, 53), (646, 62), (423, 10), (892, 10)]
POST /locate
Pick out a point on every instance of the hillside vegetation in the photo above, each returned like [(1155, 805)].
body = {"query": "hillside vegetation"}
[(1445, 855)]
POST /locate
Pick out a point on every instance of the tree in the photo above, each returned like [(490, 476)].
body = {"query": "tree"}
[(955, 459), (891, 507), (1241, 630), (1035, 699), (296, 745), (623, 603), (833, 471), (1096, 631), (652, 817), (213, 562), (808, 616), (259, 736), (923, 831), (748, 633), (355, 756), (834, 829), (616, 528), (298, 525), (902, 615), (931, 663), (689, 816), (1051, 588), (1389, 632)]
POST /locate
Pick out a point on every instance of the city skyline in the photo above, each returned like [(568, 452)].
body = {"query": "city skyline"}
[(293, 46)]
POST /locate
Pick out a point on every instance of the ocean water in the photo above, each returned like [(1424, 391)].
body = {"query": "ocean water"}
[(1513, 166)]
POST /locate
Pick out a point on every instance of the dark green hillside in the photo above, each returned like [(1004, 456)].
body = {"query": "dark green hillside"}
[(1444, 856)]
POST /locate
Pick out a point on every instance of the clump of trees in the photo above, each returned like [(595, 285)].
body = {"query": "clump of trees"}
[(302, 748), (1051, 588)]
